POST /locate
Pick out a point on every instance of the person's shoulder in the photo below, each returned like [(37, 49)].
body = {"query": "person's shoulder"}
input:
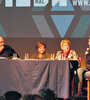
[(72, 51), (47, 53), (58, 52), (10, 50), (33, 56), (7, 47), (87, 55)]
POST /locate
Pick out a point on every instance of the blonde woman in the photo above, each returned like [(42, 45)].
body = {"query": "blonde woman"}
[(65, 51)]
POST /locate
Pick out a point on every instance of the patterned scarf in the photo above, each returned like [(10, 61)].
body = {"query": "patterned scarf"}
[(67, 53)]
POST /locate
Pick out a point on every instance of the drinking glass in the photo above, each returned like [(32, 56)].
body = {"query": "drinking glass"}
[(52, 56), (15, 56), (26, 55)]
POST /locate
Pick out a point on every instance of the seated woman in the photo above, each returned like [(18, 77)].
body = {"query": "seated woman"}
[(41, 51), (84, 72), (68, 55), (66, 52), (5, 50)]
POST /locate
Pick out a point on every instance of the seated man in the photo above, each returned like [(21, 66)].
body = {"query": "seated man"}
[(5, 50), (41, 51), (65, 52), (85, 71)]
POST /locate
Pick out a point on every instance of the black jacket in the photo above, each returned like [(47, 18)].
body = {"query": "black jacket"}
[(8, 52)]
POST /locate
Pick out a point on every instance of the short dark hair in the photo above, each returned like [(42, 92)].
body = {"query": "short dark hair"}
[(47, 94), (39, 44), (12, 95)]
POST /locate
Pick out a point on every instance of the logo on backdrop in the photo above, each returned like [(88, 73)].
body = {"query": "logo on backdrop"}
[(43, 3), (62, 22)]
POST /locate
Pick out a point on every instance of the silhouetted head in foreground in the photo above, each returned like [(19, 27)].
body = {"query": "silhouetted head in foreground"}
[(47, 94), (31, 97), (12, 95)]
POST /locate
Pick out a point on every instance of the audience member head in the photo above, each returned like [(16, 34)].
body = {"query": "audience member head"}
[(36, 97), (31, 97), (1, 43), (26, 97), (65, 45), (47, 94), (2, 98), (12, 95), (40, 47)]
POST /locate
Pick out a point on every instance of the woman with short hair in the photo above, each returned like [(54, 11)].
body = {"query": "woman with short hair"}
[(65, 52), (41, 51)]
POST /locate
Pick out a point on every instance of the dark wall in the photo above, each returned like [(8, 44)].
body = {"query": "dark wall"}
[(27, 45)]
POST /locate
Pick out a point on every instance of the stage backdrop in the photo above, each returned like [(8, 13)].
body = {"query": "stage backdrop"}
[(25, 22), (45, 18)]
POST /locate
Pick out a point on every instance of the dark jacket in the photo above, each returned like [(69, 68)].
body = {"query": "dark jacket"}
[(8, 52)]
